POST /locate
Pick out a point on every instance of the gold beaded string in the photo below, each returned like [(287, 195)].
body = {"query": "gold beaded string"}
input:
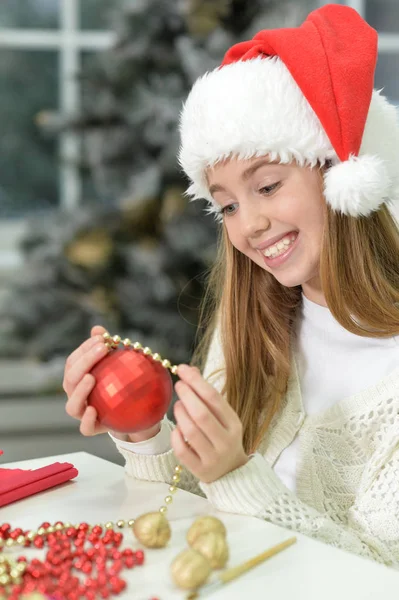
[(11, 572), (112, 342)]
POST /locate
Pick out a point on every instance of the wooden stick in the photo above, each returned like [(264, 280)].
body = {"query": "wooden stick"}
[(230, 574)]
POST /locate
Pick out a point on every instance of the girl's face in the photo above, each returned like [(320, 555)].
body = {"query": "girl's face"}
[(264, 201)]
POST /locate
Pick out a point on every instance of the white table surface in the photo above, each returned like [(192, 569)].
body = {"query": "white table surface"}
[(308, 570)]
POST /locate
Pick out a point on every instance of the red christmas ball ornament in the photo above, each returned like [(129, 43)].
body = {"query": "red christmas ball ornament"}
[(132, 391)]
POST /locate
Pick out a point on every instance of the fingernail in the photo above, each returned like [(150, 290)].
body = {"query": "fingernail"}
[(183, 369)]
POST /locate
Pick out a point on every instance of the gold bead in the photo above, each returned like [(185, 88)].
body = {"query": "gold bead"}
[(174, 369), (59, 526), (157, 357), (21, 567), (168, 499), (21, 540), (9, 543), (147, 351), (109, 525), (50, 529), (31, 535), (3, 570), (106, 336), (127, 342), (163, 510), (4, 580), (41, 531), (121, 523), (178, 469), (116, 339), (67, 525), (172, 489), (166, 363), (130, 522), (137, 346), (176, 478), (14, 574), (3, 560)]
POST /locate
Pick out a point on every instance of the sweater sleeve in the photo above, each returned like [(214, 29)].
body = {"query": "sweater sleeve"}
[(372, 529), (157, 467), (156, 445)]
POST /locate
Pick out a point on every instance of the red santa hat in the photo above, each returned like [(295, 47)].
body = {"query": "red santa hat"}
[(303, 94)]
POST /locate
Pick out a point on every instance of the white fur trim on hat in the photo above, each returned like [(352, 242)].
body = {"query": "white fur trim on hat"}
[(357, 186), (255, 108)]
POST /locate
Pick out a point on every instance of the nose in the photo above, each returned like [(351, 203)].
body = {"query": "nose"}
[(253, 220)]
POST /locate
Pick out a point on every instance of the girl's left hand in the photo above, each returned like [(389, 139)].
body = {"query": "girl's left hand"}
[(211, 427)]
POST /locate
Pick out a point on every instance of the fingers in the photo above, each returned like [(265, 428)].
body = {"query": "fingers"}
[(77, 402), (96, 335), (82, 349), (196, 438), (89, 425), (97, 330), (183, 452), (78, 382), (200, 415), (208, 394), (75, 371)]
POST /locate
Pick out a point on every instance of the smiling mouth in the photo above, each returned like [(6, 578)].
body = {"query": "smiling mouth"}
[(281, 246)]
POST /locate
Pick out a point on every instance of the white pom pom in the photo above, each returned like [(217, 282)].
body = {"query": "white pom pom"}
[(358, 186)]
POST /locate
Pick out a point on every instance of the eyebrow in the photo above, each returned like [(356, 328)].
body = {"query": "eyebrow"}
[(245, 175)]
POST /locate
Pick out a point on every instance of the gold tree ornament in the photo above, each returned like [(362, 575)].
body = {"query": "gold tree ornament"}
[(203, 525), (152, 530), (213, 546), (190, 569)]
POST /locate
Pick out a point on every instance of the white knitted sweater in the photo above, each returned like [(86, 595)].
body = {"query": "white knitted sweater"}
[(348, 472)]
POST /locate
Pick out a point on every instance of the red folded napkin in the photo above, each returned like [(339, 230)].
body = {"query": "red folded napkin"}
[(16, 484)]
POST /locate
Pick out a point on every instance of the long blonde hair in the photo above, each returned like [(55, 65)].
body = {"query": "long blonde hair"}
[(359, 277)]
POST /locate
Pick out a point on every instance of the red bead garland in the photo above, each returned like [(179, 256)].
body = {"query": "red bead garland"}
[(81, 563)]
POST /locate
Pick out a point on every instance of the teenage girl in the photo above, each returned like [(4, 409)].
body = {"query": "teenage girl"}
[(293, 413)]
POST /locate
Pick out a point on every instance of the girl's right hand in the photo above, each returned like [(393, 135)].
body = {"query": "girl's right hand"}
[(78, 383)]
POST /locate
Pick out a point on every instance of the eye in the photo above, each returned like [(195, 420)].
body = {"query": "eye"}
[(265, 191), (224, 211), (268, 189)]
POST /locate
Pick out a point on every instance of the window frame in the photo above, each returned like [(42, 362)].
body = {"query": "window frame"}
[(69, 41)]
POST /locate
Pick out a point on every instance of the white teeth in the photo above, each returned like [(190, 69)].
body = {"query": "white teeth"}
[(280, 246)]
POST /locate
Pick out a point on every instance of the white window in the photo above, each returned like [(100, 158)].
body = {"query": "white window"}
[(48, 59), (41, 48)]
